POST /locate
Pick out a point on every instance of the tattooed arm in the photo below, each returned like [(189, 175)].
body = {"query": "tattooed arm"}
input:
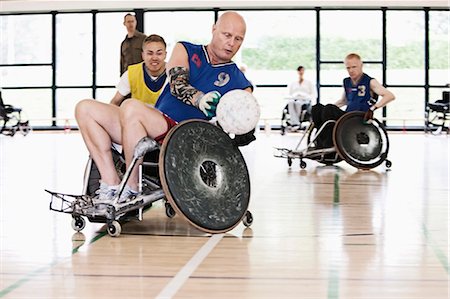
[(180, 87), (178, 74)]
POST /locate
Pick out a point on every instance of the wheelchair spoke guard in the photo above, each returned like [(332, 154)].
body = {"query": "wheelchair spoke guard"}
[(204, 176), (360, 144)]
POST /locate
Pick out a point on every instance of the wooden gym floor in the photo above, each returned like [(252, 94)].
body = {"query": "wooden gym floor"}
[(322, 232)]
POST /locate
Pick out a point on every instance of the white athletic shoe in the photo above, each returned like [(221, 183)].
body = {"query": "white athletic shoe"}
[(127, 195), (105, 194)]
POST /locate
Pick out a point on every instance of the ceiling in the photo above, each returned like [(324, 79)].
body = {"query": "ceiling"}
[(11, 6)]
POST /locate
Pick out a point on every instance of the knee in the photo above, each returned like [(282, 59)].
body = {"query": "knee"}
[(82, 108), (130, 110)]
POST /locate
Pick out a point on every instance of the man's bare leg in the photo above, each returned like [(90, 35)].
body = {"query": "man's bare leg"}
[(99, 124), (138, 121)]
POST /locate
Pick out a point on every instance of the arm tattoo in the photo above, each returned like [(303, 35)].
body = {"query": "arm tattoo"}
[(180, 87)]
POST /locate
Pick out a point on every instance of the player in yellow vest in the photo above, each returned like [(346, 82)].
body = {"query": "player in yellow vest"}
[(99, 122), (145, 80)]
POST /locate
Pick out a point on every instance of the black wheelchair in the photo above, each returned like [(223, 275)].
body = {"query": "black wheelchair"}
[(198, 171), (286, 123), (437, 115), (362, 145), (11, 120)]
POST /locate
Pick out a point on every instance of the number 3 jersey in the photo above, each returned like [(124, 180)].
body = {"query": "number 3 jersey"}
[(358, 96), (205, 77)]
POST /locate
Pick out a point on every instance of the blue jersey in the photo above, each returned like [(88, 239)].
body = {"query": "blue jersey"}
[(358, 96), (204, 77)]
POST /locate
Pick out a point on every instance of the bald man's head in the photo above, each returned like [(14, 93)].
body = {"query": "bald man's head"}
[(227, 36)]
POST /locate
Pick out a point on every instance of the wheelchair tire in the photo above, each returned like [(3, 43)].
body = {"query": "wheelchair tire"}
[(360, 144), (204, 176)]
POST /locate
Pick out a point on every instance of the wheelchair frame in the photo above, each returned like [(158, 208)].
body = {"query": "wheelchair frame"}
[(437, 114), (150, 187), (285, 117), (337, 153), (11, 120)]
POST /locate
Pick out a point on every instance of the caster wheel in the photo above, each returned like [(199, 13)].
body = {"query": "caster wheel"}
[(388, 164), (114, 228), (248, 219), (289, 162), (302, 164), (78, 223), (170, 212)]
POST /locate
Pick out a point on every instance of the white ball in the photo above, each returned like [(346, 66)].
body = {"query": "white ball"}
[(238, 112)]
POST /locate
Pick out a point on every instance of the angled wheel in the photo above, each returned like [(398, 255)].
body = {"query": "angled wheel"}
[(204, 176), (360, 144)]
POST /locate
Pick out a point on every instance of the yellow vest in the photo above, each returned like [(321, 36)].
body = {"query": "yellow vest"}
[(139, 89)]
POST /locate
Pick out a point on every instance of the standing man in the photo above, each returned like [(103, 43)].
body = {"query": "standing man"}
[(131, 47)]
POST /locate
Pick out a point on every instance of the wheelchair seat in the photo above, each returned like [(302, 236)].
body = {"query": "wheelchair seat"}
[(286, 123), (438, 113)]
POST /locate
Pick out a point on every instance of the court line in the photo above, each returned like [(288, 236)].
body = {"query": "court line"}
[(441, 256), (29, 276), (180, 278), (336, 187), (333, 273)]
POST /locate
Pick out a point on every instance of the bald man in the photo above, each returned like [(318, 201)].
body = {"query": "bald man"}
[(198, 76)]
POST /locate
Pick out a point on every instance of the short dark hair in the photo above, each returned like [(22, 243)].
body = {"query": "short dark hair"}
[(129, 14), (300, 67), (154, 38)]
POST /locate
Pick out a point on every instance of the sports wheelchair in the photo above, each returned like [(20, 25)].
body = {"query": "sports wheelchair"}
[(11, 120), (362, 145), (437, 114), (198, 172), (286, 123)]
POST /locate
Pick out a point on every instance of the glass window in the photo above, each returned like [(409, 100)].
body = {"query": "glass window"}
[(271, 102), (105, 94), (110, 33), (272, 50), (329, 95), (334, 74), (74, 49), (26, 39), (25, 76), (36, 104), (191, 26), (340, 35), (66, 99), (408, 107), (405, 47), (439, 48)]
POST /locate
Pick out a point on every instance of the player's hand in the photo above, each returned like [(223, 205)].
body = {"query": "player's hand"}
[(208, 103), (368, 117), (244, 139)]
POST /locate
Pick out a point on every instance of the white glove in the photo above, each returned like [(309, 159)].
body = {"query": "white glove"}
[(207, 103)]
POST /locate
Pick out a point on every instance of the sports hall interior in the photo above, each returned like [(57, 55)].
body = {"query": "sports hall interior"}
[(317, 231)]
